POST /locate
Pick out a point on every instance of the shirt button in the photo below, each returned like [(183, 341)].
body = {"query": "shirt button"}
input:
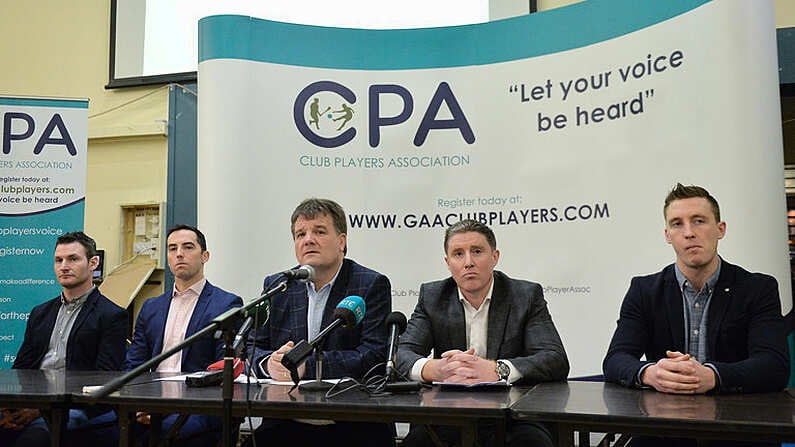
[(695, 332)]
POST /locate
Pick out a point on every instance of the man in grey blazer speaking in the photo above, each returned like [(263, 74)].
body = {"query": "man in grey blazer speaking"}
[(482, 326)]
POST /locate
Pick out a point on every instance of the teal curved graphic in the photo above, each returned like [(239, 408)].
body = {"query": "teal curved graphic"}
[(44, 102), (556, 30)]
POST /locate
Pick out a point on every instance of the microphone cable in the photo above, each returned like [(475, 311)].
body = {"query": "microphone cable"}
[(377, 385), (368, 383)]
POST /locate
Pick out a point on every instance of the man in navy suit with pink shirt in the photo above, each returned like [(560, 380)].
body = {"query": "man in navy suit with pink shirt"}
[(170, 318)]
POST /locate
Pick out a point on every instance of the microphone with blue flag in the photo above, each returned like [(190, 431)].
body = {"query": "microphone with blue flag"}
[(348, 313)]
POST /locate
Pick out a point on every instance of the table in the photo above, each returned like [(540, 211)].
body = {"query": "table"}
[(574, 406), (45, 390), (610, 408), (456, 408)]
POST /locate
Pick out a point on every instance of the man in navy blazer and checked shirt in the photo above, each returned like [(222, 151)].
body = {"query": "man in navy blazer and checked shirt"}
[(319, 231)]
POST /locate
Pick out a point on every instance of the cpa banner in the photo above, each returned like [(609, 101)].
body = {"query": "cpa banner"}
[(562, 130), (42, 193)]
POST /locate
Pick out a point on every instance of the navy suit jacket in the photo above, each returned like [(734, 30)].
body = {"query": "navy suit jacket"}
[(96, 342), (150, 328), (746, 333), (520, 328), (348, 352)]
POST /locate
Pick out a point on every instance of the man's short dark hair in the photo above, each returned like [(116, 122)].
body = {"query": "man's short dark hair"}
[(199, 235), (469, 225), (681, 191), (82, 238), (313, 207)]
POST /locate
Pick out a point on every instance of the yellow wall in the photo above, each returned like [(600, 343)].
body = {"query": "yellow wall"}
[(785, 13), (51, 49), (122, 172), (552, 4)]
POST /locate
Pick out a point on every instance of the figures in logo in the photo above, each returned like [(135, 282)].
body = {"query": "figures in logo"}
[(347, 115), (314, 112)]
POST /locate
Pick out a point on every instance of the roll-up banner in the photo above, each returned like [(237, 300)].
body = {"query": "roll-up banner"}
[(42, 196), (562, 130)]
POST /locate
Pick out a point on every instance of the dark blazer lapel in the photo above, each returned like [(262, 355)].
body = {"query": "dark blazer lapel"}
[(674, 309), (158, 323), (498, 318), (337, 293), (44, 328), (196, 321), (719, 304), (197, 317), (297, 307), (51, 315), (85, 312), (457, 328)]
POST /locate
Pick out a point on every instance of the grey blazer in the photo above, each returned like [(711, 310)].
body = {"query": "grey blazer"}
[(520, 329)]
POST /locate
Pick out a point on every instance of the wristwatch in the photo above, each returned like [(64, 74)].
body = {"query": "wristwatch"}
[(503, 370)]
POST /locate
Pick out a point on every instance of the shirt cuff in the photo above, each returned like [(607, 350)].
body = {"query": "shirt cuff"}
[(638, 381), (717, 376), (416, 370), (263, 368)]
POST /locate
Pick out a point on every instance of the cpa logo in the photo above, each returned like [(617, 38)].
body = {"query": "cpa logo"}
[(323, 112)]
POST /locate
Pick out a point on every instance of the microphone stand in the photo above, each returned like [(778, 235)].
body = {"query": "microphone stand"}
[(224, 323), (318, 384)]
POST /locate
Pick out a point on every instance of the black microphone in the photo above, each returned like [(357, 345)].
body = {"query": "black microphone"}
[(349, 313), (259, 313), (396, 322), (304, 273)]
